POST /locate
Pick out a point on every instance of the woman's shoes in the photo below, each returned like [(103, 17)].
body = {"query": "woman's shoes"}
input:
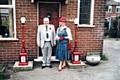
[(63, 66), (59, 70)]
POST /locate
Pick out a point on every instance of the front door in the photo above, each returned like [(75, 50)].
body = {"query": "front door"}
[(50, 10)]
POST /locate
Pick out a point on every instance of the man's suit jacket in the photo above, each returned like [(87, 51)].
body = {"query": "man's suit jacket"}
[(41, 35)]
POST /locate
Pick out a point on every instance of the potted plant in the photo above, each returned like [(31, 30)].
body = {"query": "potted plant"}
[(93, 57)]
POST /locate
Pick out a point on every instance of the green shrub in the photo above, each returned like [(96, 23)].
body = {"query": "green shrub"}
[(93, 53), (104, 58), (113, 28), (2, 76)]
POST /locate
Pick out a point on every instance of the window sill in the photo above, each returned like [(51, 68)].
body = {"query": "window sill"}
[(108, 12), (86, 25), (9, 39)]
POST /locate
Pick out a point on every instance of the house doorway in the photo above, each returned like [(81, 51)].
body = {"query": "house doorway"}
[(50, 10)]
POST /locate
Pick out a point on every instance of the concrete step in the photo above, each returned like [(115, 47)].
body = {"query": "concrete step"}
[(16, 66), (76, 66)]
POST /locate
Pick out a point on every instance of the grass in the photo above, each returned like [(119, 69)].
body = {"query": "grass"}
[(106, 37), (2, 74), (104, 58)]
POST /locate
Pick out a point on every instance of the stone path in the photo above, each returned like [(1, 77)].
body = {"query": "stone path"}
[(106, 70)]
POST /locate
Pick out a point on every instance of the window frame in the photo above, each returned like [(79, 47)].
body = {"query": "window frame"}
[(109, 7), (91, 15), (14, 17), (116, 9)]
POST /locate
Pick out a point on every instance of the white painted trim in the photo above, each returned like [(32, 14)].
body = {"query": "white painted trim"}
[(14, 15), (109, 7), (84, 25), (118, 8), (91, 17), (92, 13), (6, 6), (9, 39)]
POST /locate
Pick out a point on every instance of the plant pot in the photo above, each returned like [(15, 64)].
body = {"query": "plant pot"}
[(93, 58)]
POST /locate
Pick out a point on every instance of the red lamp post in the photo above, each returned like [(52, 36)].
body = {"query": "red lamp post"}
[(75, 53), (23, 54)]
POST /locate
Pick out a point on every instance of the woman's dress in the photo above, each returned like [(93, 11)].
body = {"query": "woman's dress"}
[(62, 52)]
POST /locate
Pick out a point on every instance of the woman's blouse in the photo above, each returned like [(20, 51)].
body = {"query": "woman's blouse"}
[(67, 30)]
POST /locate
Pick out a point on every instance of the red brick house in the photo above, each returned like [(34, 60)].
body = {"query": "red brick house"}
[(91, 15), (112, 8)]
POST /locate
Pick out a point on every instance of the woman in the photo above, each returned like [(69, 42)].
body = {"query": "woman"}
[(63, 37)]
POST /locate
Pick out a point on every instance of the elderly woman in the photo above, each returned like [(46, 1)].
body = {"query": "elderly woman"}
[(63, 37)]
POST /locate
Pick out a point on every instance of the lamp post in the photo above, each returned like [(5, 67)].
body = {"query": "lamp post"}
[(23, 54), (75, 53)]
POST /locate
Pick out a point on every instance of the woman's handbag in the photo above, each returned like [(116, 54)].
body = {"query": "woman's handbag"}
[(69, 46)]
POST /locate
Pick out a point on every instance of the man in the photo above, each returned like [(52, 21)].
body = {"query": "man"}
[(46, 40)]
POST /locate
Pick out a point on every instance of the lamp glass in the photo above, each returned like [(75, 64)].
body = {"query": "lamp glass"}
[(76, 58), (32, 1), (76, 21), (23, 19)]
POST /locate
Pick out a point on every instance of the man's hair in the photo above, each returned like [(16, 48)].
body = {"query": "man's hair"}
[(46, 19)]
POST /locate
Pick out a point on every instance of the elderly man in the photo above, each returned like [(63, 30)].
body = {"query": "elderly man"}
[(46, 40)]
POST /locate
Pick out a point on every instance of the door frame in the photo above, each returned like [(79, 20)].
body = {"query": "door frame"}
[(39, 57), (48, 3)]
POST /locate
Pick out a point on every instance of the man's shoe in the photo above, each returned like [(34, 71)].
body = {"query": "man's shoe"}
[(50, 66), (42, 67)]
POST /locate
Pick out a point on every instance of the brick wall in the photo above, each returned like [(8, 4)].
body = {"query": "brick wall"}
[(89, 39)]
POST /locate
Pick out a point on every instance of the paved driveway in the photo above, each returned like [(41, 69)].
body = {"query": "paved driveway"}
[(106, 70)]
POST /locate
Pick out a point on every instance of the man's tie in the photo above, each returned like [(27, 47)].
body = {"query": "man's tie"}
[(47, 36)]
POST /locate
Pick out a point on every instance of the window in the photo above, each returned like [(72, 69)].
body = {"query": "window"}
[(7, 19), (85, 13), (118, 9), (108, 8)]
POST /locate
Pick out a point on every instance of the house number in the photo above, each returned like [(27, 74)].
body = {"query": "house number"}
[(22, 58), (76, 58)]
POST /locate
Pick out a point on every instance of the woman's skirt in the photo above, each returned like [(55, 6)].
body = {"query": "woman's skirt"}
[(62, 52)]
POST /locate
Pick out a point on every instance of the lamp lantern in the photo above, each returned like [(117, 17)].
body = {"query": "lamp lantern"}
[(76, 21), (75, 53), (23, 54), (23, 20)]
